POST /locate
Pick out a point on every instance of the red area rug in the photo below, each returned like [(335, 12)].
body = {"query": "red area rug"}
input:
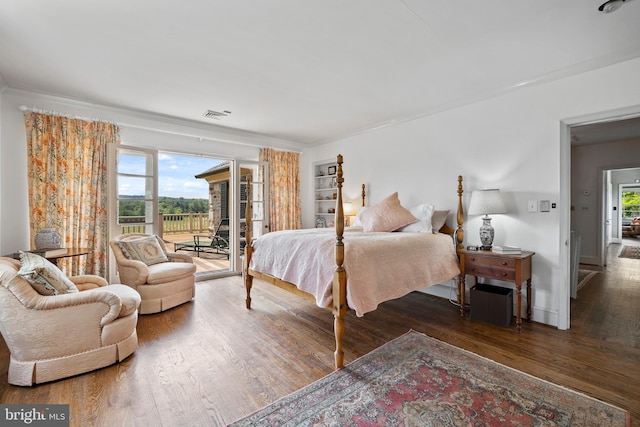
[(416, 380)]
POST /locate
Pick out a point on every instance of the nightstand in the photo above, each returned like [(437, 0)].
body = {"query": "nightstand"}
[(514, 269)]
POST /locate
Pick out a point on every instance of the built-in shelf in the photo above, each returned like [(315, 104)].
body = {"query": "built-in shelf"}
[(325, 186)]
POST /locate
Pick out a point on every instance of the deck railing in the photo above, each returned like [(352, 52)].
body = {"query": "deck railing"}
[(190, 223)]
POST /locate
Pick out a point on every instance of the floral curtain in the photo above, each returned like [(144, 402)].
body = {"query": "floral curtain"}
[(284, 188), (67, 178)]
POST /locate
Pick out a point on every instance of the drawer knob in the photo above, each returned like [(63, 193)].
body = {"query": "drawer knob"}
[(504, 263), (504, 274)]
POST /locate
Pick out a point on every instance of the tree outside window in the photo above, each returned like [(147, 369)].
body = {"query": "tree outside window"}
[(630, 205)]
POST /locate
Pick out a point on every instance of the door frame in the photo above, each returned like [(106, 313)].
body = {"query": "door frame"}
[(236, 262), (563, 292), (112, 192), (235, 265)]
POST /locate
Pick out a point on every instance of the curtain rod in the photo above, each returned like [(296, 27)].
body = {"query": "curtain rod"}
[(24, 108)]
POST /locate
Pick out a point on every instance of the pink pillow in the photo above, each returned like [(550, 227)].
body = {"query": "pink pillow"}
[(388, 215)]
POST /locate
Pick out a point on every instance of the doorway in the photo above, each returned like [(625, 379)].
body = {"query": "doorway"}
[(192, 202), (193, 207), (592, 148), (629, 217)]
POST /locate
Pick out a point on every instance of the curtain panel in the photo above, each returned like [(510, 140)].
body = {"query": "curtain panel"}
[(67, 179), (284, 188)]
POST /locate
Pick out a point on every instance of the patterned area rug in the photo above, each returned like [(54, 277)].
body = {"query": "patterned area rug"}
[(416, 380), (630, 252)]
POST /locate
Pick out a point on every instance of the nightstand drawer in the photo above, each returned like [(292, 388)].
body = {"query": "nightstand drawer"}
[(491, 272), (471, 260), (492, 268)]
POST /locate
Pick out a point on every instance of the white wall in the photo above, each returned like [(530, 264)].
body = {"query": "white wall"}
[(137, 128), (587, 164), (512, 142), (2, 89)]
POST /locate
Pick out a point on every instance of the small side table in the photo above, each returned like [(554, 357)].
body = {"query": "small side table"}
[(71, 252), (506, 267)]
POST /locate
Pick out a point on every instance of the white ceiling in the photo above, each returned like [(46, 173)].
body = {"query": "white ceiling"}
[(306, 71)]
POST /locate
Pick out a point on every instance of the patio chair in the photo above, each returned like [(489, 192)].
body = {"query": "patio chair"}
[(216, 243), (221, 236)]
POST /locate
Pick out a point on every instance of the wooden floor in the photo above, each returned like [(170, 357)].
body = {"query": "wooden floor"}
[(211, 361)]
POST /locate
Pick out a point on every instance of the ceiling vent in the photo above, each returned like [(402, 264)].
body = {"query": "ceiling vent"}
[(216, 115)]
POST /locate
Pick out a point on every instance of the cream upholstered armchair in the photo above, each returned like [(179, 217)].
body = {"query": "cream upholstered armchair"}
[(163, 279), (57, 336)]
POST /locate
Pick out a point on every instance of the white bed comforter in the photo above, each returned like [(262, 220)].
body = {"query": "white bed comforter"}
[(379, 266)]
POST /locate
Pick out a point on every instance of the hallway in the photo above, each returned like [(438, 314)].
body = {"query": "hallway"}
[(607, 307)]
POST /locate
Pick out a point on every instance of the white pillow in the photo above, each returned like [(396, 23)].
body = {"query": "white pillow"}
[(438, 219), (423, 213), (357, 222)]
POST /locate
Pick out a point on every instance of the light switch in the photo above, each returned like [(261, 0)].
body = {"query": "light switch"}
[(544, 205), (532, 206)]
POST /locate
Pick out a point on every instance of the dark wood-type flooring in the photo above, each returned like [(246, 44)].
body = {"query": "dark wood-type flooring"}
[(210, 362)]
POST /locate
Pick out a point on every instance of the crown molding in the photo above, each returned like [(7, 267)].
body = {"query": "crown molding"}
[(552, 76), (138, 119)]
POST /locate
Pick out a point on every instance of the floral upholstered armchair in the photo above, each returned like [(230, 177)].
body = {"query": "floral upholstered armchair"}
[(80, 324)]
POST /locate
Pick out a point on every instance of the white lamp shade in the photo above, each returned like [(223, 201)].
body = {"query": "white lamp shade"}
[(486, 202)]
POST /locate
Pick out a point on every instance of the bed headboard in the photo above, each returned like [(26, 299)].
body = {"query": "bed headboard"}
[(457, 234)]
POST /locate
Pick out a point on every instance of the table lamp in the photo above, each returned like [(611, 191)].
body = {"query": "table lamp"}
[(485, 202), (347, 208)]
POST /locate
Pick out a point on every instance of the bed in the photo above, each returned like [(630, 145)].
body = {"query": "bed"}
[(350, 267)]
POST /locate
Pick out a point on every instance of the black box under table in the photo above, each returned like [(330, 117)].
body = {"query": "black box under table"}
[(492, 304)]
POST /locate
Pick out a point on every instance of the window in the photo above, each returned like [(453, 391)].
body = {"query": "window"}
[(630, 202), (136, 192)]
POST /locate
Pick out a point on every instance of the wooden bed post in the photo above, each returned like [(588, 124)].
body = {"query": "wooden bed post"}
[(339, 307), (248, 248), (460, 217), (460, 245)]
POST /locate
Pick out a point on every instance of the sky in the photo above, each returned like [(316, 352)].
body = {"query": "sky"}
[(175, 178), (177, 172)]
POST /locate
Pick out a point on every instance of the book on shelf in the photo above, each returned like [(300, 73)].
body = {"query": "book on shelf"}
[(506, 249), (49, 252)]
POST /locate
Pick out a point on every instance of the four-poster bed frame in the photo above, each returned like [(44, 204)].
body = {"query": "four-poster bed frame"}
[(339, 305)]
